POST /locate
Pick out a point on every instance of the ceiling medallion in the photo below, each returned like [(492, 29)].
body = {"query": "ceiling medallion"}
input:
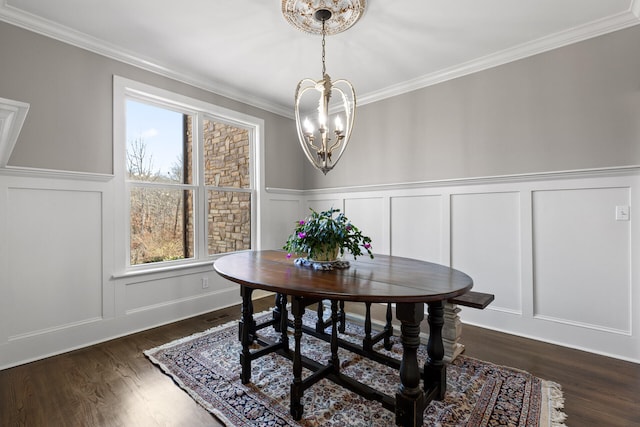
[(301, 14)]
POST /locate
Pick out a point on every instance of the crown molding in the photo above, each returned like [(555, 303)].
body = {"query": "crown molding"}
[(554, 41), (84, 41), (50, 29)]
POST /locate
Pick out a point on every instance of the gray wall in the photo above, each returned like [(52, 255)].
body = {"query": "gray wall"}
[(69, 125), (572, 108), (576, 107)]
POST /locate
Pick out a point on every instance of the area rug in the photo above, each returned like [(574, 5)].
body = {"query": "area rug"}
[(206, 365)]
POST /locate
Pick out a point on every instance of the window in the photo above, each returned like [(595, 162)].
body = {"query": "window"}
[(159, 183), (189, 176)]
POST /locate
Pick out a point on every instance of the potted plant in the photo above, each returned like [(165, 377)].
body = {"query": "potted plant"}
[(323, 235)]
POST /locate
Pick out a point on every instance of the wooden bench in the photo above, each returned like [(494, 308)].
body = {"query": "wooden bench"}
[(452, 329), (473, 299)]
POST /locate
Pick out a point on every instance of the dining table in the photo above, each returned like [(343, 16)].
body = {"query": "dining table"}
[(408, 284)]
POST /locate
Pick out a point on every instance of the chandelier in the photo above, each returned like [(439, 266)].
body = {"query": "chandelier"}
[(324, 109)]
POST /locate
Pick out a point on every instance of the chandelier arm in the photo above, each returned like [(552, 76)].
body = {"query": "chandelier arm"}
[(302, 138), (349, 117), (307, 152), (307, 80), (338, 141), (299, 93)]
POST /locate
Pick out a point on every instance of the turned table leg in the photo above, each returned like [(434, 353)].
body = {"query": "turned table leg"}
[(277, 311), (284, 338), (320, 318), (334, 361), (246, 331), (435, 372), (297, 308), (410, 401), (388, 329), (367, 342), (342, 318)]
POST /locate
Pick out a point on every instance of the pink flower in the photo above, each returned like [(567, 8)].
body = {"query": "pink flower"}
[(367, 245), (302, 235), (348, 227), (288, 255), (301, 222)]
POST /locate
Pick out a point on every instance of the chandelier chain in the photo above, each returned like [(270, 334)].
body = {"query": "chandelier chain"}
[(324, 68)]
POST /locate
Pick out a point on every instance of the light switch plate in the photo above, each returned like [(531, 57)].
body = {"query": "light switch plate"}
[(622, 213)]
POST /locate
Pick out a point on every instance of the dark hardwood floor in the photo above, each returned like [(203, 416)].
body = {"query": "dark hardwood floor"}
[(598, 390), (113, 384)]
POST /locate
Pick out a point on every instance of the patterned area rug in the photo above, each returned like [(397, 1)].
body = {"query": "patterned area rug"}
[(206, 365)]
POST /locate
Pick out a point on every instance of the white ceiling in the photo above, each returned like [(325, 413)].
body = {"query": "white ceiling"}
[(246, 50)]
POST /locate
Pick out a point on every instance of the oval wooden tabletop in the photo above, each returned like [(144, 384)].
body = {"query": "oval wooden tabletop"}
[(382, 279)]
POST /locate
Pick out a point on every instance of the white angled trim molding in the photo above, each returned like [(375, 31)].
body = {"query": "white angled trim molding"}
[(12, 116)]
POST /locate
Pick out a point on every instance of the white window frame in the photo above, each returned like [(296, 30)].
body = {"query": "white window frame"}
[(124, 89)]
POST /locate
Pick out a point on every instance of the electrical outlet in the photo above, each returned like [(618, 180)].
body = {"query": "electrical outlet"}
[(205, 282), (622, 213)]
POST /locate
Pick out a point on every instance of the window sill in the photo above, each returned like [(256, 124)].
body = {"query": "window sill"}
[(167, 270), (174, 269)]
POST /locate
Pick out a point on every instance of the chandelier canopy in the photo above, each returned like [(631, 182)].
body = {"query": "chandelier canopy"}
[(302, 15), (324, 109)]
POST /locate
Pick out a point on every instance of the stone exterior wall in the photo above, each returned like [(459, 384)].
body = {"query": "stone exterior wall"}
[(226, 164), (226, 155)]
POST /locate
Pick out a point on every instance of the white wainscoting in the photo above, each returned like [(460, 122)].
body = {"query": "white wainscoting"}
[(59, 289), (54, 260), (486, 242), (51, 265), (549, 247), (359, 209), (420, 237), (582, 254), (283, 210)]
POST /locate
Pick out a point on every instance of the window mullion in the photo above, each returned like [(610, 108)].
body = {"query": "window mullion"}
[(201, 219)]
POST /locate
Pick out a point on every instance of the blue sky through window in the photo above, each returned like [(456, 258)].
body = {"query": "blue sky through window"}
[(161, 131)]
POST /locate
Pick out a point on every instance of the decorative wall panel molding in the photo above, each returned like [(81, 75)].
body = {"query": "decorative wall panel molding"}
[(551, 250), (485, 240), (547, 245), (55, 261), (371, 214), (417, 225), (582, 254)]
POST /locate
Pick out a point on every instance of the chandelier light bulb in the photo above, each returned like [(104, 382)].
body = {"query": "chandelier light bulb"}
[(322, 121), (308, 127)]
